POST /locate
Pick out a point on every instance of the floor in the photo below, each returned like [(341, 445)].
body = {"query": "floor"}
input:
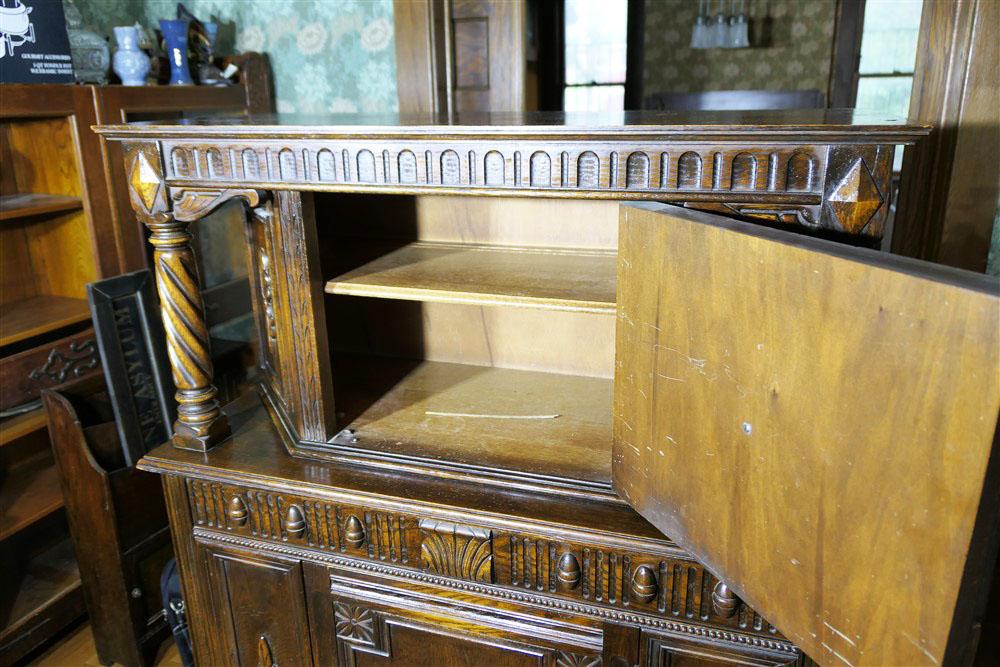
[(76, 649)]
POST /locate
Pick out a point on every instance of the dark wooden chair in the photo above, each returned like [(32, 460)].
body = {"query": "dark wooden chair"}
[(735, 100)]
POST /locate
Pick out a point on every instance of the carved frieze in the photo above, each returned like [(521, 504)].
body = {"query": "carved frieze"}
[(623, 167), (457, 551), (673, 586), (665, 586), (377, 535)]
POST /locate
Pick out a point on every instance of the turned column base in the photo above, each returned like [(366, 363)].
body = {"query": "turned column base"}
[(201, 439)]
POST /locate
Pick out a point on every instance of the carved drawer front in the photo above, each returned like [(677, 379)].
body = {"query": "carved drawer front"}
[(24, 375), (385, 621)]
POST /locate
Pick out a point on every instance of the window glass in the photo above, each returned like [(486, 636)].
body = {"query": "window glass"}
[(889, 39), (594, 98), (885, 95), (596, 45)]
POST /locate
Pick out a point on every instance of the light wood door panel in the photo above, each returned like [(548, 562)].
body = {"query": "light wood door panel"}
[(815, 423)]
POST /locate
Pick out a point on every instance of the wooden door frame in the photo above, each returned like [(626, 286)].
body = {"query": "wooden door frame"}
[(957, 40)]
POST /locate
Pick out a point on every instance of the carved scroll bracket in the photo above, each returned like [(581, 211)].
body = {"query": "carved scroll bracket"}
[(190, 204)]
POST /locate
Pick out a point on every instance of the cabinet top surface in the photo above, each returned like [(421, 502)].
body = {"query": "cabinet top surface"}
[(821, 123)]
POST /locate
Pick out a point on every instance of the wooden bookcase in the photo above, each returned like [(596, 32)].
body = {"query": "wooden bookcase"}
[(65, 221), (50, 231)]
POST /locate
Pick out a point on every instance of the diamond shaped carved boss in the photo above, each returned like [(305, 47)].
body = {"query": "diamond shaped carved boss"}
[(856, 198), (144, 180)]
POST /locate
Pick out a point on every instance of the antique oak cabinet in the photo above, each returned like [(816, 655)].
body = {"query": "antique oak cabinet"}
[(498, 355)]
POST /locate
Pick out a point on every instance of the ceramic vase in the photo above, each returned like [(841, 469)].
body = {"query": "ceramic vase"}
[(175, 34), (131, 64)]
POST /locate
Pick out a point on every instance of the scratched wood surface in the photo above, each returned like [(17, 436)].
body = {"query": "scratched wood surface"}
[(812, 425)]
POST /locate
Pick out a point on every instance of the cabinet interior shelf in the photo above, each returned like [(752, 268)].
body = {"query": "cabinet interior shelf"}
[(549, 278), (548, 424), (30, 493), (25, 205), (37, 315)]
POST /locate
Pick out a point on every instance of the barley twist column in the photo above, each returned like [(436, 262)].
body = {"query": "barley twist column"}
[(200, 422)]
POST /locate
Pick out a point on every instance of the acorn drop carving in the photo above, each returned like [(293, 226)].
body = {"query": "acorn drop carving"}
[(568, 572), (644, 584), (295, 522), (238, 510), (354, 532)]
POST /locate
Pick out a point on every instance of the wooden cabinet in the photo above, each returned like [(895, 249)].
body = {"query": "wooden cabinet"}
[(546, 393)]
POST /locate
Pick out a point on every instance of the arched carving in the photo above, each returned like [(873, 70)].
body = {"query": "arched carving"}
[(180, 163), (451, 168), (588, 170), (251, 163), (286, 164), (216, 166), (326, 165), (744, 172), (689, 171), (493, 164), (637, 170), (407, 164), (540, 169), (799, 174), (366, 166)]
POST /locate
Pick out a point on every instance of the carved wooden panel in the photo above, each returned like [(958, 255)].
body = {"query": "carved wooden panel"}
[(678, 586), (261, 607), (457, 551), (668, 591), (655, 168), (669, 651), (260, 269), (300, 329), (341, 528)]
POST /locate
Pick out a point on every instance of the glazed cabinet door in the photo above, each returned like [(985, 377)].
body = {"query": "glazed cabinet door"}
[(260, 606), (362, 620), (817, 424)]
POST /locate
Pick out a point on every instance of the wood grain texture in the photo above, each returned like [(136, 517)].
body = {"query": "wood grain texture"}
[(30, 494), (949, 184), (796, 412), (536, 423), (14, 206), (33, 316), (479, 274)]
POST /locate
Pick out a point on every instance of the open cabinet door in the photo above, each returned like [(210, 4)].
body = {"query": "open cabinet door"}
[(815, 423)]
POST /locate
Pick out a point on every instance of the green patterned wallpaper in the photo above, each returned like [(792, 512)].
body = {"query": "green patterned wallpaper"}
[(799, 38), (327, 55)]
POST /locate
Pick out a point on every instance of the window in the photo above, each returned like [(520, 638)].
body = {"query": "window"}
[(596, 52), (888, 53)]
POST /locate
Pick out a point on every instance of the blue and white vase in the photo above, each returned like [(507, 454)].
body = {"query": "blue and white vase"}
[(130, 63), (175, 34)]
